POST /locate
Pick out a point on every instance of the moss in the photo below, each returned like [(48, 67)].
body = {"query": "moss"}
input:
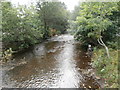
[(106, 68)]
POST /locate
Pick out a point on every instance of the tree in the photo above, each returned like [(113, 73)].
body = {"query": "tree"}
[(9, 22), (92, 22), (29, 25), (53, 15), (75, 12), (21, 26)]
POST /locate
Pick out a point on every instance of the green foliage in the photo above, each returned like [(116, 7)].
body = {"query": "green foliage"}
[(9, 17), (53, 15), (75, 12), (24, 26), (107, 68), (20, 26), (93, 22)]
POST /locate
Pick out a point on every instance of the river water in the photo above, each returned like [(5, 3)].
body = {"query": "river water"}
[(58, 62)]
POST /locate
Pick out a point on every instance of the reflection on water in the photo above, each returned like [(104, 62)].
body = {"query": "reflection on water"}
[(56, 63)]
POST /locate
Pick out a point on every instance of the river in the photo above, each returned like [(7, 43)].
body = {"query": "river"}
[(58, 62)]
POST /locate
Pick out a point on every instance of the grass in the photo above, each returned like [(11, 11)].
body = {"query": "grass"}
[(106, 68)]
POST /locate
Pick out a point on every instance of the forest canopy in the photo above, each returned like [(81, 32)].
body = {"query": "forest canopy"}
[(24, 26)]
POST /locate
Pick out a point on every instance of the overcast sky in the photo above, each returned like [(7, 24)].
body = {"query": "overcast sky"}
[(70, 3)]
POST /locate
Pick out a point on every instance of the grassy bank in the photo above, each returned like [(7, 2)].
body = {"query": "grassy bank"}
[(106, 68)]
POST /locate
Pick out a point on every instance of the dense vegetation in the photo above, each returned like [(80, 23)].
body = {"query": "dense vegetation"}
[(91, 23), (97, 23), (24, 26), (94, 21), (107, 68)]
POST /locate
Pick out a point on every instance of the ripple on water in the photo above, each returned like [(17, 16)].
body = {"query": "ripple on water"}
[(57, 63)]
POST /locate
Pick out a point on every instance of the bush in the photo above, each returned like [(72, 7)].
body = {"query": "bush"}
[(107, 68)]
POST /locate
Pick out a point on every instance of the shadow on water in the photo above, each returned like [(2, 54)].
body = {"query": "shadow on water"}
[(56, 63)]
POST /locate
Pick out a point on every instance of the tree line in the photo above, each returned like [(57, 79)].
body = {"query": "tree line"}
[(96, 23), (23, 26)]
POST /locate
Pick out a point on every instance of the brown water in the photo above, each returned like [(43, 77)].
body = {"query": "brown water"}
[(56, 63)]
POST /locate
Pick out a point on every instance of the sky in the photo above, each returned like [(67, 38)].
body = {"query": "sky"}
[(70, 3)]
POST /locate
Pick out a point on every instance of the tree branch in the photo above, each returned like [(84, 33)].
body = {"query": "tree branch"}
[(100, 42), (103, 44)]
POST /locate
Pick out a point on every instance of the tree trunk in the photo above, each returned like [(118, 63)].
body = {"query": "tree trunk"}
[(100, 41)]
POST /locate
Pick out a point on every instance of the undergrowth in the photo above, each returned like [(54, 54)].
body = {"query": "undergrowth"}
[(106, 68)]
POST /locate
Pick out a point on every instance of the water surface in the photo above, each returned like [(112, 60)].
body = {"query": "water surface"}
[(57, 63)]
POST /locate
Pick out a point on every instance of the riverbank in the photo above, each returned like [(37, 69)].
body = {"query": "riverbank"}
[(51, 64), (10, 52), (106, 68)]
